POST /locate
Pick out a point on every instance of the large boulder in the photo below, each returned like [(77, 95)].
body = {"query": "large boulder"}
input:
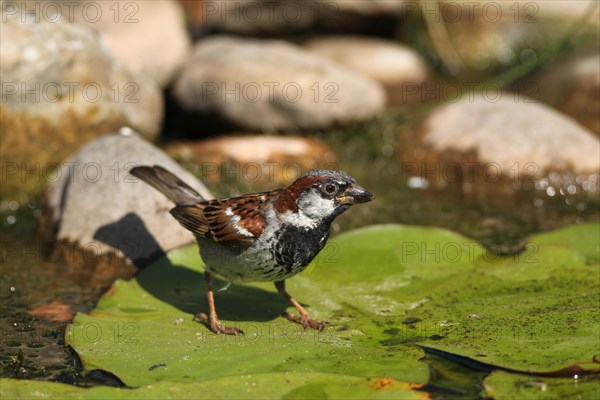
[(271, 85), (485, 142), (61, 87), (111, 218), (149, 36)]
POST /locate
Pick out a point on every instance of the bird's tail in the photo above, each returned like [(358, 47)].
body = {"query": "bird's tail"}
[(168, 184)]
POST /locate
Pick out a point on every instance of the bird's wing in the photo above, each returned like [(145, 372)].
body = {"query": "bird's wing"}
[(236, 221)]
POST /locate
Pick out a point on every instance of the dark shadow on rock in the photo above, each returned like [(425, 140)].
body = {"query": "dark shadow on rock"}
[(182, 287), (130, 235)]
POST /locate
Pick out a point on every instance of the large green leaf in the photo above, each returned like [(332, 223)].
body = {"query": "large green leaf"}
[(583, 238), (383, 288), (261, 386), (148, 321), (537, 311)]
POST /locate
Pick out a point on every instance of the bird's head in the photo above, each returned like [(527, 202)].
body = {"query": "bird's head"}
[(319, 197)]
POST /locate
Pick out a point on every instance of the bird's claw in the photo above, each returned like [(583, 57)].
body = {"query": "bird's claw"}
[(306, 321), (216, 327)]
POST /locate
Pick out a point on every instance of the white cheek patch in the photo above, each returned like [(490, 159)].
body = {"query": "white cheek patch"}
[(312, 210), (314, 206), (235, 219)]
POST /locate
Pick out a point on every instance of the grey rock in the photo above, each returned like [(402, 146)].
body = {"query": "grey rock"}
[(61, 86), (95, 203), (149, 36), (513, 132), (271, 85), (75, 75)]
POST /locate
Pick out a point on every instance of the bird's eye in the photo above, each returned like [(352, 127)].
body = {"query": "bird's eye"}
[(330, 188)]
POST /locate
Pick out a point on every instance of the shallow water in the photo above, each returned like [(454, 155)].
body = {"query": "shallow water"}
[(33, 348)]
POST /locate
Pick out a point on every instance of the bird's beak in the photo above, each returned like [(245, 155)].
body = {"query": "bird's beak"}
[(354, 195)]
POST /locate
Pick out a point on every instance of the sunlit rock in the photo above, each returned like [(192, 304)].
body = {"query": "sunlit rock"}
[(272, 85), (106, 222), (61, 87), (502, 143)]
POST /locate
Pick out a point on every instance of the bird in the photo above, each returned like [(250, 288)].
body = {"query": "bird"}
[(259, 237)]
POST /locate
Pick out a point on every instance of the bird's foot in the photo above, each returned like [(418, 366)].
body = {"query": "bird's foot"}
[(306, 321), (216, 327)]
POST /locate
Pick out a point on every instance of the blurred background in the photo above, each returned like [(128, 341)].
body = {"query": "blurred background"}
[(477, 116)]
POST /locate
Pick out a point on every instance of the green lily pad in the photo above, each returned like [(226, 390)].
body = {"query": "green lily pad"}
[(535, 312), (147, 322), (583, 238), (261, 386), (383, 289), (502, 385)]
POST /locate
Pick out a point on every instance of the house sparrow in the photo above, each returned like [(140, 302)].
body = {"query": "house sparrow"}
[(268, 236)]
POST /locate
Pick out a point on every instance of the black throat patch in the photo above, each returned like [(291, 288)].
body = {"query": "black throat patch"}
[(297, 246)]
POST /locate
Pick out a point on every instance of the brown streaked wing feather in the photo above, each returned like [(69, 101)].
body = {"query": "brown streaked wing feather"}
[(192, 218), (210, 218)]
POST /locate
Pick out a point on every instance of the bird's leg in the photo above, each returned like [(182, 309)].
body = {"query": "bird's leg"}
[(304, 319), (212, 321)]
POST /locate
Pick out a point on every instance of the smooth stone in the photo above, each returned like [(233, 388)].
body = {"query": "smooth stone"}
[(501, 149), (62, 87), (513, 133), (149, 36), (272, 85), (95, 206)]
